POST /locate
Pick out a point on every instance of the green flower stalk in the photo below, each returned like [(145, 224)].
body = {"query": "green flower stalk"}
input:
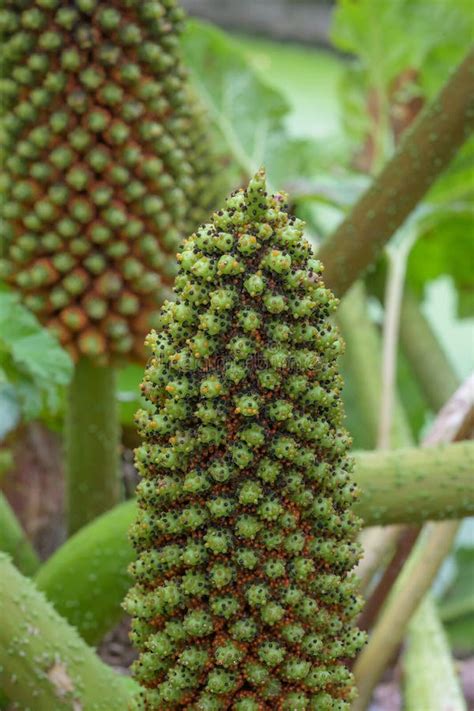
[(244, 597), (106, 165)]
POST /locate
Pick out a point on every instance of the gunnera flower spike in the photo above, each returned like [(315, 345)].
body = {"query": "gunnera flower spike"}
[(106, 164), (244, 597)]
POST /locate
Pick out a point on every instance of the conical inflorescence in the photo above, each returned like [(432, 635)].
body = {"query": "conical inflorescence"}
[(106, 164), (244, 597)]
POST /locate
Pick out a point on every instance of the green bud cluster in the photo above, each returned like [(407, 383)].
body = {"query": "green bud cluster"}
[(106, 165), (245, 537)]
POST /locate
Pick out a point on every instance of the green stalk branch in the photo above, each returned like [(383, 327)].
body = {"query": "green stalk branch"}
[(397, 261), (425, 151), (92, 444), (362, 361), (427, 359), (430, 681), (393, 486), (391, 323), (415, 485), (14, 541), (413, 583), (44, 665), (452, 423), (383, 539), (378, 544), (428, 648)]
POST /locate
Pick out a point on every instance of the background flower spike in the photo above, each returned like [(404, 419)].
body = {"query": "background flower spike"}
[(106, 165)]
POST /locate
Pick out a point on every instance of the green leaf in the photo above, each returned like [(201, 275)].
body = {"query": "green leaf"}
[(34, 400), (405, 50), (247, 112), (31, 359), (339, 191), (456, 185), (40, 355), (390, 37), (445, 225), (322, 200), (442, 249), (308, 78), (9, 409), (243, 108)]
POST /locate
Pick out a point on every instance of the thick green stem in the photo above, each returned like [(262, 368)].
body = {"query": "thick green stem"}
[(44, 664), (92, 444), (425, 151), (430, 681), (427, 359), (14, 541), (415, 485), (87, 577), (362, 362)]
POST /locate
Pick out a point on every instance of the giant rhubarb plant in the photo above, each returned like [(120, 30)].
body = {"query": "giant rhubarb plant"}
[(245, 536), (106, 168)]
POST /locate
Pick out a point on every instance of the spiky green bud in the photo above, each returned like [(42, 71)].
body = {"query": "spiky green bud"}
[(245, 536)]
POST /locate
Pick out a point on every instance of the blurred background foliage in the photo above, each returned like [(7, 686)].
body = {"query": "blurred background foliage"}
[(322, 110)]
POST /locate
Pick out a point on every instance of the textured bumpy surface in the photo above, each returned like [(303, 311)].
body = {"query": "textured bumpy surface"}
[(245, 537), (105, 164)]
